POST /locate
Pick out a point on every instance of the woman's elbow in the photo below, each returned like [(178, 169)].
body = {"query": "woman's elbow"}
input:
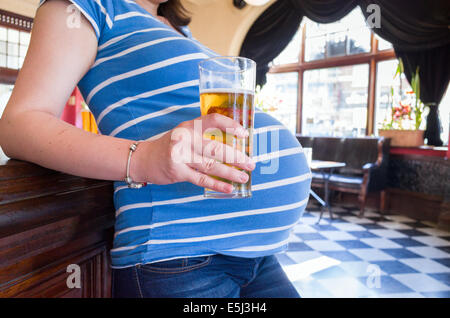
[(7, 134), (3, 138)]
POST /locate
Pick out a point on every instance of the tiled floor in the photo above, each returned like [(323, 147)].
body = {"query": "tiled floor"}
[(366, 257)]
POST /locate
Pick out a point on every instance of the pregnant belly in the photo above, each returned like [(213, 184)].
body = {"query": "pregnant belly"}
[(179, 212)]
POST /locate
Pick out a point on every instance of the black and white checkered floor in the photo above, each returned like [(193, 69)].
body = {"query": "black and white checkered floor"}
[(366, 257)]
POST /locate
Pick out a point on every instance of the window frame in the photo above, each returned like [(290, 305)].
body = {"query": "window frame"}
[(371, 58), (20, 23)]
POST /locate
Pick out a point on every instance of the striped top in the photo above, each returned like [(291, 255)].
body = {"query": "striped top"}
[(144, 82)]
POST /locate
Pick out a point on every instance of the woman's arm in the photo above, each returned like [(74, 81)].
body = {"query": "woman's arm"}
[(30, 129)]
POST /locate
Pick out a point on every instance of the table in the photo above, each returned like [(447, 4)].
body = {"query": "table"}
[(326, 168)]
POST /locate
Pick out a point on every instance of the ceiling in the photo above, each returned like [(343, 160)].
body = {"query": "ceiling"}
[(22, 7)]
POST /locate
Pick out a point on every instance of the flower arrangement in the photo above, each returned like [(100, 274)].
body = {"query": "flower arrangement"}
[(406, 110), (404, 119)]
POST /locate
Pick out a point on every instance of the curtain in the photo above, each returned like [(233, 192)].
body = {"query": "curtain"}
[(434, 73), (419, 32), (269, 35), (323, 11), (412, 25), (418, 29), (277, 25)]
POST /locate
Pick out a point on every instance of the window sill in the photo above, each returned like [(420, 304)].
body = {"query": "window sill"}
[(430, 151)]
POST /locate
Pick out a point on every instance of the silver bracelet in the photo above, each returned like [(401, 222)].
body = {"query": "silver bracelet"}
[(128, 180)]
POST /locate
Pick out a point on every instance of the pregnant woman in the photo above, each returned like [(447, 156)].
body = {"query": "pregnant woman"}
[(136, 65)]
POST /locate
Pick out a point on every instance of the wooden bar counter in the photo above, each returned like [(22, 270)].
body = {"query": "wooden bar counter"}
[(48, 221)]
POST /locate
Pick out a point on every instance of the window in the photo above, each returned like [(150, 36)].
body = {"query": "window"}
[(13, 47), (335, 80), (281, 89), (345, 37), (385, 81), (291, 53), (341, 72), (383, 44), (335, 101), (14, 41)]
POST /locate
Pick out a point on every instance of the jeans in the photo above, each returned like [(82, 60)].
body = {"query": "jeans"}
[(216, 276)]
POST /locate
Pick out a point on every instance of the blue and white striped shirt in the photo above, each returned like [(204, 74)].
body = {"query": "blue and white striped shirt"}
[(144, 82)]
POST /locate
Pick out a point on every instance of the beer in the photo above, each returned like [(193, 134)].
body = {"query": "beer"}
[(227, 87), (237, 105)]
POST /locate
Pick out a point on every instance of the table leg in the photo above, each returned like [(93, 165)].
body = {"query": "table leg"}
[(316, 196), (327, 192), (322, 203)]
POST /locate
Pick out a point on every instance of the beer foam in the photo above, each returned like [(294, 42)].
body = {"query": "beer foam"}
[(227, 91)]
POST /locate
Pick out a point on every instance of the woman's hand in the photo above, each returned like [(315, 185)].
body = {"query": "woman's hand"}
[(183, 154)]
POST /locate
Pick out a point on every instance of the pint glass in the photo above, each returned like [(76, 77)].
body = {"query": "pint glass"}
[(227, 87)]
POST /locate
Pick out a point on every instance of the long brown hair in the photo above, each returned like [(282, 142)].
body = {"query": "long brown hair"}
[(175, 12)]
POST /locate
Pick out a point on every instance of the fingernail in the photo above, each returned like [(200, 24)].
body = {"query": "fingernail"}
[(244, 177)]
